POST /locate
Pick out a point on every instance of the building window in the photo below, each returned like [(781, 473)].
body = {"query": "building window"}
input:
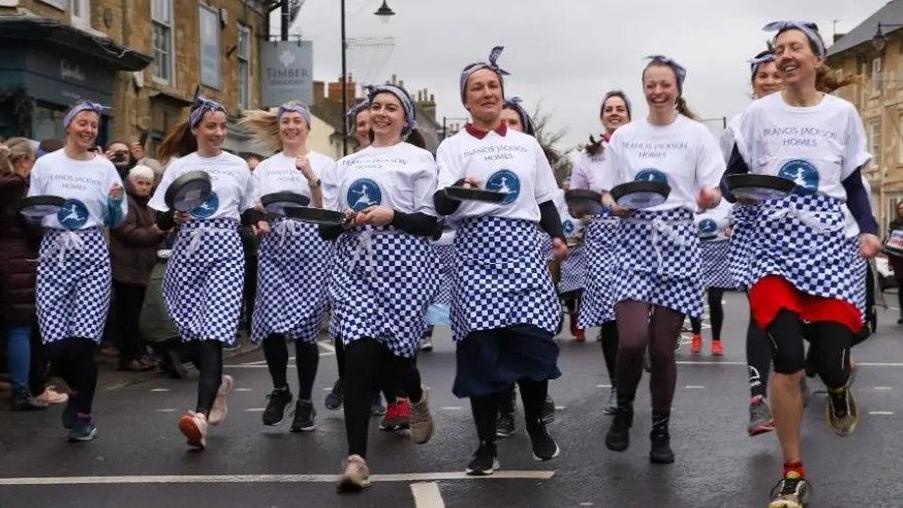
[(244, 67), (161, 16), (59, 4), (874, 139), (81, 13), (876, 75), (209, 46)]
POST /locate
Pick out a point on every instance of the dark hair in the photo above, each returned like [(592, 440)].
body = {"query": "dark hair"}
[(623, 96), (114, 142), (416, 138), (50, 145), (179, 142)]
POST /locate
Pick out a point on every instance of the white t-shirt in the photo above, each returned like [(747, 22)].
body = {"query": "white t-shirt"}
[(513, 163), (85, 184), (278, 173), (683, 154), (401, 177), (714, 220), (587, 167), (233, 186), (726, 141)]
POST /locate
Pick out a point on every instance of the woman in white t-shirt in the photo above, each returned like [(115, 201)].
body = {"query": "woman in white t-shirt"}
[(656, 280), (74, 274), (505, 312), (205, 275), (294, 262), (808, 249), (714, 244), (597, 307), (384, 275)]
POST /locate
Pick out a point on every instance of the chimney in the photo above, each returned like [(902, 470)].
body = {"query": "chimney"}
[(427, 104), (335, 91), (319, 92)]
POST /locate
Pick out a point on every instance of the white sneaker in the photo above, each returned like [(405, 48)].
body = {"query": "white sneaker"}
[(220, 409), (356, 475), (194, 426)]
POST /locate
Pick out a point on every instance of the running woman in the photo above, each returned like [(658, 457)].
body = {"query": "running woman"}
[(714, 229), (808, 248), (384, 275), (205, 275), (505, 312), (74, 273), (597, 307), (656, 280), (294, 261)]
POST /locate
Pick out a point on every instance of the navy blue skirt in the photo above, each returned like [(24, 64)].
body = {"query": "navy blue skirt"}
[(490, 361)]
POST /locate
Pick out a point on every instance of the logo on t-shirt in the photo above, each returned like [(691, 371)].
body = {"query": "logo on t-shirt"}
[(567, 227), (207, 208), (651, 175), (803, 174), (363, 193), (708, 228), (73, 215), (505, 181)]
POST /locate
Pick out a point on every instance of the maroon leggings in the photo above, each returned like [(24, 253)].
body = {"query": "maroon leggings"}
[(643, 326)]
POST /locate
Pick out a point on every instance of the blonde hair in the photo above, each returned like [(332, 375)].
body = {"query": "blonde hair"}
[(13, 150), (265, 126)]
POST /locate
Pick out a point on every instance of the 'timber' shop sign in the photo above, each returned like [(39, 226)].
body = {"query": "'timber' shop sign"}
[(287, 72)]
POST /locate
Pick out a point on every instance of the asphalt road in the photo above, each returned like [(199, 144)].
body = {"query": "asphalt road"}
[(140, 459)]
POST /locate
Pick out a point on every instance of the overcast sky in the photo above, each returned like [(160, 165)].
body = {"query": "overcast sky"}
[(567, 53)]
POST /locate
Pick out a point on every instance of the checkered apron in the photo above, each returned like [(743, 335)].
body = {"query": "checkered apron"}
[(383, 280), (292, 276), (73, 285), (801, 238), (446, 254), (657, 261), (715, 271), (739, 255), (501, 278), (599, 243), (204, 280), (573, 270)]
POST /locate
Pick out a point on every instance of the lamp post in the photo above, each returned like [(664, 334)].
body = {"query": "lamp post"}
[(879, 40), (385, 13)]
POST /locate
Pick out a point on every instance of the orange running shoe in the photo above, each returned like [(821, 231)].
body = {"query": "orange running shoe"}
[(696, 345), (717, 350), (580, 336)]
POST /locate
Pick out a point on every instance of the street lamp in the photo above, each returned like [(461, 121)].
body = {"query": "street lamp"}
[(385, 13), (879, 40)]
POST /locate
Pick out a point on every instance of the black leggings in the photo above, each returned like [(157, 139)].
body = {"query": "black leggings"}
[(367, 361), (207, 357), (758, 359), (127, 305), (716, 313), (73, 359), (609, 335), (486, 408), (642, 325), (830, 347), (307, 358)]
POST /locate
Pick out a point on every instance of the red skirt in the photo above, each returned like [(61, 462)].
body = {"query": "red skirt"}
[(773, 293)]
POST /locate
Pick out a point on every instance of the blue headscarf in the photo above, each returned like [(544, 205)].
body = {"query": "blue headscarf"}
[(679, 71), (491, 64), (294, 107), (83, 106), (410, 114), (201, 106), (807, 27), (515, 104), (756, 62)]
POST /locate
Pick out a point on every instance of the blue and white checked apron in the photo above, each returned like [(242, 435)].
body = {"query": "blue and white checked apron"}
[(657, 261), (383, 280), (715, 270), (204, 280), (73, 285), (599, 242), (573, 270), (446, 254), (292, 279), (740, 250), (801, 238), (501, 278)]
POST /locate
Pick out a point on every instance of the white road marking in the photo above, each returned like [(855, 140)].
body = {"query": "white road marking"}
[(427, 495), (603, 386), (694, 387), (258, 362), (327, 346), (159, 389), (451, 408), (586, 503), (254, 410), (884, 387), (560, 408), (327, 389), (270, 478), (166, 410), (708, 362), (243, 389), (881, 413)]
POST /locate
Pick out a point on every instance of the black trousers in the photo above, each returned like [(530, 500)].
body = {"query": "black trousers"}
[(207, 357), (73, 359), (127, 303)]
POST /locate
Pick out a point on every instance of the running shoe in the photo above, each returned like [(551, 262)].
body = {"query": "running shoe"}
[(696, 344), (661, 452), (397, 417), (335, 397), (612, 406), (505, 426), (305, 418), (717, 348), (618, 437), (220, 404), (355, 475), (544, 447), (842, 411), (277, 406), (760, 420), (547, 415), (426, 342), (51, 396), (83, 430), (580, 336), (421, 421), (22, 400), (791, 492), (194, 427), (485, 461), (376, 405)]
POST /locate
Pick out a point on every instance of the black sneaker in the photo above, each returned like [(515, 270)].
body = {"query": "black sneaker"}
[(82, 431), (547, 415), (485, 461), (505, 426), (790, 493), (618, 437), (69, 414), (661, 452), (279, 399), (335, 398), (22, 400), (305, 416), (544, 447)]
